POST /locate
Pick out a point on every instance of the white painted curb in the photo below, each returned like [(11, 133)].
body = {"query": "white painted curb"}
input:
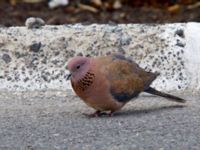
[(35, 59), (192, 55)]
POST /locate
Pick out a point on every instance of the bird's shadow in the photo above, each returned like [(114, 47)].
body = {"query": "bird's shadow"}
[(126, 113), (137, 112), (146, 111)]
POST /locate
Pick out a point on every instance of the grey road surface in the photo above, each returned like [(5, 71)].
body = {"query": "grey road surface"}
[(53, 120)]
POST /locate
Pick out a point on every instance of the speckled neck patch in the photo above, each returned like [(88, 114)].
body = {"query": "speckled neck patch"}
[(86, 81)]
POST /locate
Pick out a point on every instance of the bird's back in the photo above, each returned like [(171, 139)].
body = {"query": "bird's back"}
[(125, 77)]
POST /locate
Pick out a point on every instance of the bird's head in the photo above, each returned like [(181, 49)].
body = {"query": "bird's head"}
[(78, 67)]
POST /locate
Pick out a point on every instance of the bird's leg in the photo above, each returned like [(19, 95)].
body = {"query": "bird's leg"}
[(111, 113), (97, 113)]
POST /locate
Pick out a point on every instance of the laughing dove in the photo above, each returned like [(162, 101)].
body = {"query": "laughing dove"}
[(107, 83)]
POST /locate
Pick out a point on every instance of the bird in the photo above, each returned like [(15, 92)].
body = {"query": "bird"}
[(107, 83)]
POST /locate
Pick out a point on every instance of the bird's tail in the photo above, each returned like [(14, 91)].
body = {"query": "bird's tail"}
[(162, 94)]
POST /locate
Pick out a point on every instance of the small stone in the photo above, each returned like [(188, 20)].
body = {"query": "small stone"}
[(117, 4), (55, 3), (180, 44), (45, 78), (121, 51), (35, 47), (6, 58), (182, 51), (57, 53), (80, 54), (32, 23), (125, 40), (9, 78), (108, 53), (88, 55), (55, 62), (180, 33), (97, 2), (44, 61)]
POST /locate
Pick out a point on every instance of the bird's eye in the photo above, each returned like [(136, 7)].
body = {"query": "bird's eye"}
[(77, 67)]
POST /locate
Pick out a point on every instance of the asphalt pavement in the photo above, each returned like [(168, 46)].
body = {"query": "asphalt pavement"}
[(54, 120)]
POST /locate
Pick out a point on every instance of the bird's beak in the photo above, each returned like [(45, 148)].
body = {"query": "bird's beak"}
[(69, 76)]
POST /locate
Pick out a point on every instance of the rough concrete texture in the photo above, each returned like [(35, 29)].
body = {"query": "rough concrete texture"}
[(35, 59), (53, 121), (192, 55)]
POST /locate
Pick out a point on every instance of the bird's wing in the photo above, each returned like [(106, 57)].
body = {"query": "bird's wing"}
[(126, 78)]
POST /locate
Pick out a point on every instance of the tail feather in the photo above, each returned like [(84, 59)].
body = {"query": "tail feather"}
[(162, 94)]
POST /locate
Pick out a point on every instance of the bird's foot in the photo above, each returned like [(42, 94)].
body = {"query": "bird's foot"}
[(99, 114), (95, 114), (110, 114)]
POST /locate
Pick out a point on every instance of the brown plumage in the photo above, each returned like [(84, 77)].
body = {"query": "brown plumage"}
[(107, 83)]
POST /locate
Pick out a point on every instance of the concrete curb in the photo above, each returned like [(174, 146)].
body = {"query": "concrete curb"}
[(35, 59)]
